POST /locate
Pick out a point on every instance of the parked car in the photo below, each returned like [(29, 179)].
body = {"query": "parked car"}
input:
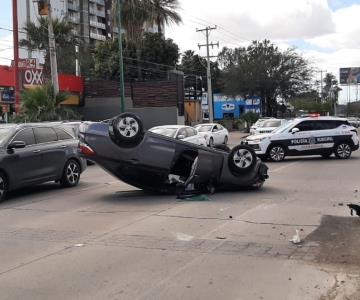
[(37, 153), (354, 122), (257, 124), (162, 163), (269, 125), (214, 134), (307, 136), (185, 133)]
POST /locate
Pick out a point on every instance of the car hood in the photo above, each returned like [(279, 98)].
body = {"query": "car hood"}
[(258, 136)]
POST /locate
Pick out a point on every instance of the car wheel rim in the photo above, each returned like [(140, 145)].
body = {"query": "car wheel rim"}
[(243, 158), (277, 153), (72, 173), (226, 140), (2, 187), (128, 127), (344, 150)]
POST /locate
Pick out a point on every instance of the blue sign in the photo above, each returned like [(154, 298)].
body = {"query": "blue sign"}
[(8, 96), (233, 107)]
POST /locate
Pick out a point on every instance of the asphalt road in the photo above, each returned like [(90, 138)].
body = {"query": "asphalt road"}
[(107, 240)]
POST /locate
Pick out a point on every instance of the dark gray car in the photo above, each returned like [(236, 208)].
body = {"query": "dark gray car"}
[(36, 153)]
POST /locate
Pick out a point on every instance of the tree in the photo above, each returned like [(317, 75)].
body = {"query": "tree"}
[(38, 39), (164, 12), (194, 65), (263, 69), (310, 102), (157, 57), (41, 104)]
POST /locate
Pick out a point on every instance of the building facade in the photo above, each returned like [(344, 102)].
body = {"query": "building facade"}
[(92, 19)]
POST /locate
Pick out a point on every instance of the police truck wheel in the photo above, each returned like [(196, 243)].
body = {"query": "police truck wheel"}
[(343, 150), (277, 153), (241, 159)]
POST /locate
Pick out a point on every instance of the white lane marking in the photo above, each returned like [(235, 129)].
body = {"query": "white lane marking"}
[(183, 237), (283, 167)]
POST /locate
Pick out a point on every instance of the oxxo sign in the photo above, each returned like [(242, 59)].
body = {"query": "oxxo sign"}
[(33, 77)]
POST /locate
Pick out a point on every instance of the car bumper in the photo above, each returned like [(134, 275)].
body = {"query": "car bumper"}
[(355, 147), (258, 148)]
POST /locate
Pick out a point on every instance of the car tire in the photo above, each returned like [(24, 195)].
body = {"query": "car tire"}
[(226, 139), (242, 159), (71, 174), (3, 186), (126, 129), (211, 142), (277, 153), (222, 148), (343, 150)]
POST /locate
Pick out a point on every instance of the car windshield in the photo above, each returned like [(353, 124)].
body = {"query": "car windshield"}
[(203, 128), (5, 133), (271, 123), (284, 127), (170, 132)]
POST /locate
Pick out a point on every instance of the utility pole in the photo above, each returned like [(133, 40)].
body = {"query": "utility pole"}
[(16, 55), (121, 65), (208, 70), (321, 84), (52, 46)]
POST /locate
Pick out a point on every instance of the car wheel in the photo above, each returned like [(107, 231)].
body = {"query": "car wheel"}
[(3, 186), (242, 159), (223, 148), (127, 129), (71, 174), (226, 139), (277, 153), (343, 150), (211, 142)]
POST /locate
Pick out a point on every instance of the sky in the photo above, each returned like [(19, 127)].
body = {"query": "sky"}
[(326, 32)]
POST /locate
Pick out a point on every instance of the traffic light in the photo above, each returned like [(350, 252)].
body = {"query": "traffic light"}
[(43, 8)]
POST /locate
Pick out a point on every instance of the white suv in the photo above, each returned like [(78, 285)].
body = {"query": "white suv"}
[(307, 136)]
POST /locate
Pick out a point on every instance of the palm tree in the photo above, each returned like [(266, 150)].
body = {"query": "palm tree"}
[(164, 12), (38, 39), (42, 104)]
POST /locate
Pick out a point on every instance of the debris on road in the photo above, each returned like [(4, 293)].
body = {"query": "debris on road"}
[(184, 237), (221, 238), (354, 207), (296, 238)]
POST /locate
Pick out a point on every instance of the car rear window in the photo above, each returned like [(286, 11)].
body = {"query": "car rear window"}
[(62, 134), (271, 123), (45, 135)]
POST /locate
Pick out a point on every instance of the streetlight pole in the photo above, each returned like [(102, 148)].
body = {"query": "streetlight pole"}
[(52, 46), (121, 65), (16, 55)]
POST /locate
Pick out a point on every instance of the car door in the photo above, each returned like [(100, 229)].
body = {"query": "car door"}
[(53, 152), (24, 164), (304, 141)]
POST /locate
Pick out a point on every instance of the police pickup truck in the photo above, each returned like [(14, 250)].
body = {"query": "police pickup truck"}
[(307, 136)]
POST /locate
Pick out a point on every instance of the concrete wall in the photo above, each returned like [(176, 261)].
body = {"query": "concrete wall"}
[(97, 109)]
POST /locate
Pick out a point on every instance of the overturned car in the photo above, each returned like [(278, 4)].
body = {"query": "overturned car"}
[(155, 162)]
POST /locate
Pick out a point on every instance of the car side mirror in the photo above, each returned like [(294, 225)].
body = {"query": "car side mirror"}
[(214, 130), (180, 137), (295, 130), (17, 145)]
